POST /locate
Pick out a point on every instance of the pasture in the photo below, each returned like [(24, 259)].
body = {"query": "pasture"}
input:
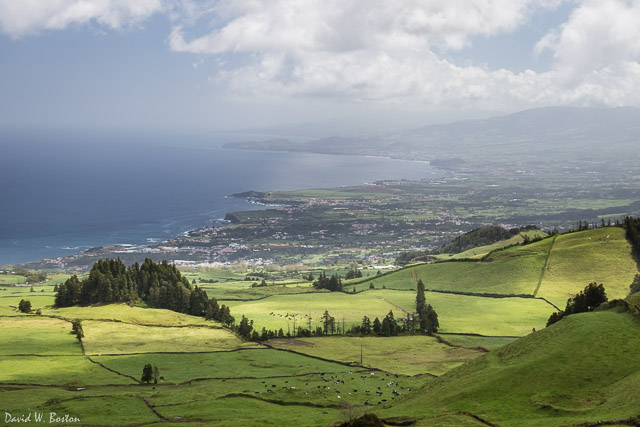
[(577, 259), (457, 313), (512, 271), (120, 338), (547, 378), (407, 355)]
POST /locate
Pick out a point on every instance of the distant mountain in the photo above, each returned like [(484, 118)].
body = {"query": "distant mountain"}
[(536, 133)]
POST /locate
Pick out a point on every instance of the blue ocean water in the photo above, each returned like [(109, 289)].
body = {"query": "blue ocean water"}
[(60, 195)]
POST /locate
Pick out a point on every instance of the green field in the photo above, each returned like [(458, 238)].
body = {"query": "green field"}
[(45, 336), (512, 271), (548, 378), (124, 313), (256, 363), (577, 259), (244, 291), (407, 355), (123, 338), (11, 279), (582, 369), (457, 313)]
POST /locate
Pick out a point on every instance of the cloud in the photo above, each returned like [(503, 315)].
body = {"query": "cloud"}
[(350, 25), (19, 18), (599, 34), (376, 50), (363, 50)]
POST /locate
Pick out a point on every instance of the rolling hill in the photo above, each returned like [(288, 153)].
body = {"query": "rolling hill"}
[(584, 369)]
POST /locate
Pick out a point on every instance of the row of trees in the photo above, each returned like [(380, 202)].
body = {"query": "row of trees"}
[(333, 283), (388, 327), (160, 285)]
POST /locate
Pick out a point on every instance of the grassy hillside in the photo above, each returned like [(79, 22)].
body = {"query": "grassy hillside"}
[(480, 251), (511, 271), (584, 368), (577, 259), (554, 268)]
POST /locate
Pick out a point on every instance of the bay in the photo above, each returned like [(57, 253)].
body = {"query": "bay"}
[(61, 195)]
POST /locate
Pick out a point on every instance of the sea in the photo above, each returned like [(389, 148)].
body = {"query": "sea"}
[(62, 193)]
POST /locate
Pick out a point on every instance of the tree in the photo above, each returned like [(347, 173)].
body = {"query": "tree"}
[(76, 328), (389, 325), (245, 327), (24, 306), (328, 322), (587, 300), (147, 374), (420, 298), (377, 326), (354, 272), (156, 374), (635, 286), (366, 325), (427, 316)]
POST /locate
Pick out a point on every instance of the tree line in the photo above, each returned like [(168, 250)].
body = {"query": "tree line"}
[(424, 320), (160, 285), (632, 230)]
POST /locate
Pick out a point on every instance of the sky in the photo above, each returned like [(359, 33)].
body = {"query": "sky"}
[(203, 66)]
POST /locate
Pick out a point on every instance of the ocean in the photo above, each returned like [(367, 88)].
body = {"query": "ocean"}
[(64, 194)]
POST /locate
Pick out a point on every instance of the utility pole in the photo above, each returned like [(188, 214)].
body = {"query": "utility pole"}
[(361, 352)]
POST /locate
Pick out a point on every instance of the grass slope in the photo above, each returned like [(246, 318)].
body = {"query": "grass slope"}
[(512, 271), (584, 368), (577, 259), (480, 251)]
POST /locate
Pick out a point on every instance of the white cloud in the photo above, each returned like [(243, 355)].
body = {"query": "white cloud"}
[(349, 25), (378, 50), (366, 50), (24, 17), (599, 34)]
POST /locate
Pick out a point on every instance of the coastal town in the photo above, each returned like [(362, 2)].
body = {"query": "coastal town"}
[(370, 224)]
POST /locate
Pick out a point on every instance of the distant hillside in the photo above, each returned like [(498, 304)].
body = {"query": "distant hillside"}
[(479, 237), (584, 369), (475, 238)]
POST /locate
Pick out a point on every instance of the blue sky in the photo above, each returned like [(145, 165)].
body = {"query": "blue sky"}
[(199, 66)]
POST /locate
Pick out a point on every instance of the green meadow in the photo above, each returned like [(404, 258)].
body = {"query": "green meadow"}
[(584, 368), (511, 271), (249, 363), (116, 337), (407, 355), (602, 256), (492, 360)]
